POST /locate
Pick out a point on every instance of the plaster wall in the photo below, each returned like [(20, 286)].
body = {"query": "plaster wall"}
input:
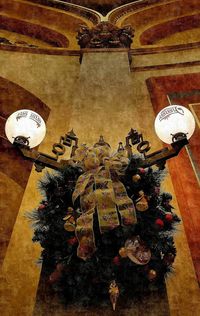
[(100, 96)]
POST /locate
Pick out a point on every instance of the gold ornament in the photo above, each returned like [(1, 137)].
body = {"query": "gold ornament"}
[(136, 178), (152, 274), (123, 252), (70, 224), (142, 202), (114, 293)]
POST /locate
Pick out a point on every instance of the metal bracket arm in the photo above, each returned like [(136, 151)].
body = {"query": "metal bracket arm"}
[(159, 157)]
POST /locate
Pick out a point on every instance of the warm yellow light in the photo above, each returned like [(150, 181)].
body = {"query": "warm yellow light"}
[(172, 120), (28, 124)]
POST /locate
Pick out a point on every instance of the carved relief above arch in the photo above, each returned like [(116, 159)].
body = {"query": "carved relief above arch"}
[(42, 24), (154, 21), (50, 26), (35, 31), (162, 30)]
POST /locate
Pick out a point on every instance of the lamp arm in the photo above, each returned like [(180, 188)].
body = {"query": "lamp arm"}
[(42, 160), (159, 157)]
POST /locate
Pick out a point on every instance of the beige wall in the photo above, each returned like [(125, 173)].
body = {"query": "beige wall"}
[(100, 96)]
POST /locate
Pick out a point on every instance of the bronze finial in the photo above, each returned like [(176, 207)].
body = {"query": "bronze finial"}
[(101, 142)]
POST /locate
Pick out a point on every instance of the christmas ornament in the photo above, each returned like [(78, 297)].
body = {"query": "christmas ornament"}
[(137, 251), (123, 252), (70, 221), (72, 241), (152, 274), (142, 170), (141, 204), (136, 178), (114, 293), (59, 267), (55, 276), (41, 206), (168, 217), (159, 223)]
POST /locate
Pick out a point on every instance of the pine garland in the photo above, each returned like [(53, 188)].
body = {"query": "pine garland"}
[(87, 282)]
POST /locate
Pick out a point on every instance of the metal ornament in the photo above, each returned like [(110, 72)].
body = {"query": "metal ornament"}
[(158, 158), (114, 293)]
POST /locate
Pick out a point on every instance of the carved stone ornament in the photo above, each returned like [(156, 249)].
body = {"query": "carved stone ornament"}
[(105, 35)]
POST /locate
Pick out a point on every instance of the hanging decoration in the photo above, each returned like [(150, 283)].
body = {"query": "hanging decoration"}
[(105, 226)]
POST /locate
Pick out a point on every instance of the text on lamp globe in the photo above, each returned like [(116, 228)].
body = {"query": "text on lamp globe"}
[(165, 114), (33, 116)]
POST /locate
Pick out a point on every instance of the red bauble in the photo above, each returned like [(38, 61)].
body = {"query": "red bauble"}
[(159, 222), (55, 276), (59, 267), (116, 260), (72, 241), (141, 170), (41, 206), (169, 217)]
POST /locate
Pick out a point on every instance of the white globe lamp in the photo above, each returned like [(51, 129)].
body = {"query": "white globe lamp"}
[(25, 127), (173, 123)]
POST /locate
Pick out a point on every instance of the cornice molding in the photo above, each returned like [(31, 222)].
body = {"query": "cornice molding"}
[(166, 66), (114, 15), (89, 14)]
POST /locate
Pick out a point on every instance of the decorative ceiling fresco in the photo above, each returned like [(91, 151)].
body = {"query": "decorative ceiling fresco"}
[(51, 26)]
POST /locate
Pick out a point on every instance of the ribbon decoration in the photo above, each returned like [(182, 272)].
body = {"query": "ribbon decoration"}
[(100, 189)]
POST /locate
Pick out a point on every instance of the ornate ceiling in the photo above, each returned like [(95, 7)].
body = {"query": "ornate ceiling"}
[(51, 25), (101, 6)]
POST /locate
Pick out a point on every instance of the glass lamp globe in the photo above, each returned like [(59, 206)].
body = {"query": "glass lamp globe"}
[(174, 120), (25, 124)]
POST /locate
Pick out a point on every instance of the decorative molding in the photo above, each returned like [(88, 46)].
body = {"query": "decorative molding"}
[(191, 107), (166, 66), (132, 52), (39, 50), (114, 15), (5, 41), (40, 32), (164, 49), (180, 24), (86, 13), (105, 35)]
